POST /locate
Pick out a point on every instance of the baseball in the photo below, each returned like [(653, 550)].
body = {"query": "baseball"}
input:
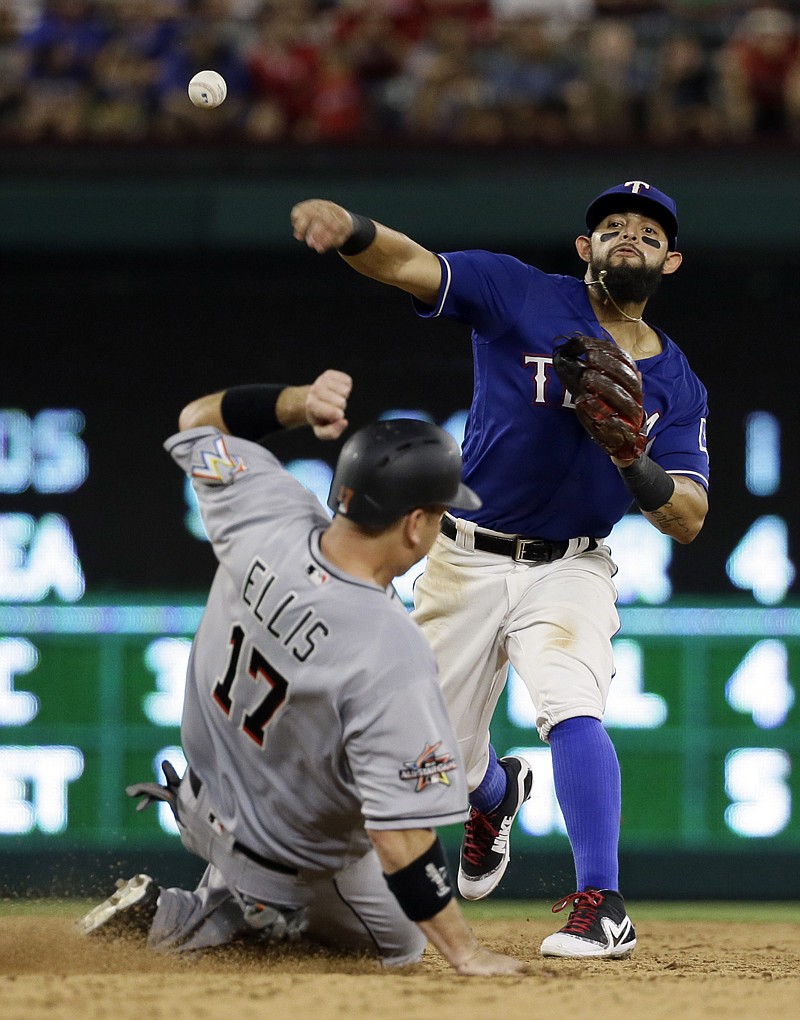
[(207, 88)]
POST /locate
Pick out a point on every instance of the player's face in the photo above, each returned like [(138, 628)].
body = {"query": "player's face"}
[(632, 249)]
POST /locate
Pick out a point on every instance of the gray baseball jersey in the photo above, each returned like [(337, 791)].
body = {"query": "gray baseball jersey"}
[(312, 702)]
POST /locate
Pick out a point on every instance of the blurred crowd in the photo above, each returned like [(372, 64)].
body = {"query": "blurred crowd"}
[(464, 71)]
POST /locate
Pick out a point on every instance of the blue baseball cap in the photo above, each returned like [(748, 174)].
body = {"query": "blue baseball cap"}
[(636, 195)]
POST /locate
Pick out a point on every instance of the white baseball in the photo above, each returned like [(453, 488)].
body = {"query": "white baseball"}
[(207, 88)]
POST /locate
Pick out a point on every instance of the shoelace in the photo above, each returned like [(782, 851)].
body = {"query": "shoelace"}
[(479, 835), (584, 910)]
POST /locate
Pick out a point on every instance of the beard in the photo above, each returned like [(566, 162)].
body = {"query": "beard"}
[(627, 283)]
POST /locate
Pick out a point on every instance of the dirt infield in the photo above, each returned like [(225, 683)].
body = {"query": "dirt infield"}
[(681, 970)]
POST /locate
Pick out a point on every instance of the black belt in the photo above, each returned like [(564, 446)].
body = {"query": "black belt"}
[(196, 783), (519, 548)]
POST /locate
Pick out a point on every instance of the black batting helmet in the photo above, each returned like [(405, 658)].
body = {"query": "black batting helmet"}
[(394, 466)]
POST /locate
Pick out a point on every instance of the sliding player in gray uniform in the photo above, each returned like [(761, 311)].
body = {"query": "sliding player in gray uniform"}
[(320, 755)]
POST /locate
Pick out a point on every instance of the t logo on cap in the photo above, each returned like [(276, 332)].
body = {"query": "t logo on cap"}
[(630, 195)]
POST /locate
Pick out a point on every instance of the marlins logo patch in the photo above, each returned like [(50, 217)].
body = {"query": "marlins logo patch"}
[(429, 767), (218, 464)]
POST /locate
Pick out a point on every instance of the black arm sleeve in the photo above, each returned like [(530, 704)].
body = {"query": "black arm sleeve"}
[(249, 411)]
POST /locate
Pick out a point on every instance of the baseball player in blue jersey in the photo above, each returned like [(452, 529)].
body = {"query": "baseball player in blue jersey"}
[(319, 764), (580, 409)]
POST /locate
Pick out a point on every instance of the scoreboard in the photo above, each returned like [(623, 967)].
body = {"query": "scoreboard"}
[(703, 710)]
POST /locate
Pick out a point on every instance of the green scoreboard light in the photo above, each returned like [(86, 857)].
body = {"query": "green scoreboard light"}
[(704, 717), (703, 713), (94, 643)]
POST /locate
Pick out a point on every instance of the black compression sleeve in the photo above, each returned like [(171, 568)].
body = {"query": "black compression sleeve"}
[(249, 411), (649, 484), (363, 235), (422, 888)]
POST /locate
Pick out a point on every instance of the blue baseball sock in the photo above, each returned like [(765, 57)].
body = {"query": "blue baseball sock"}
[(492, 789), (588, 788)]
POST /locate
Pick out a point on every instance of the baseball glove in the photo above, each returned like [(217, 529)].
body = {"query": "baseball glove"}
[(607, 390)]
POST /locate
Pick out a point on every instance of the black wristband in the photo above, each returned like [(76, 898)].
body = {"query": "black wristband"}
[(363, 235), (423, 887), (249, 411), (649, 484)]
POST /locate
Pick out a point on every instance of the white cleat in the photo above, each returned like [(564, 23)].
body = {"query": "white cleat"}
[(486, 847), (128, 910), (598, 926)]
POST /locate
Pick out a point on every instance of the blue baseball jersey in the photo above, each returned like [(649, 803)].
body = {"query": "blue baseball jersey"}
[(525, 451)]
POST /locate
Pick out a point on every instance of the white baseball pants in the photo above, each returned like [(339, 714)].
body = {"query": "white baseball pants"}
[(553, 621)]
